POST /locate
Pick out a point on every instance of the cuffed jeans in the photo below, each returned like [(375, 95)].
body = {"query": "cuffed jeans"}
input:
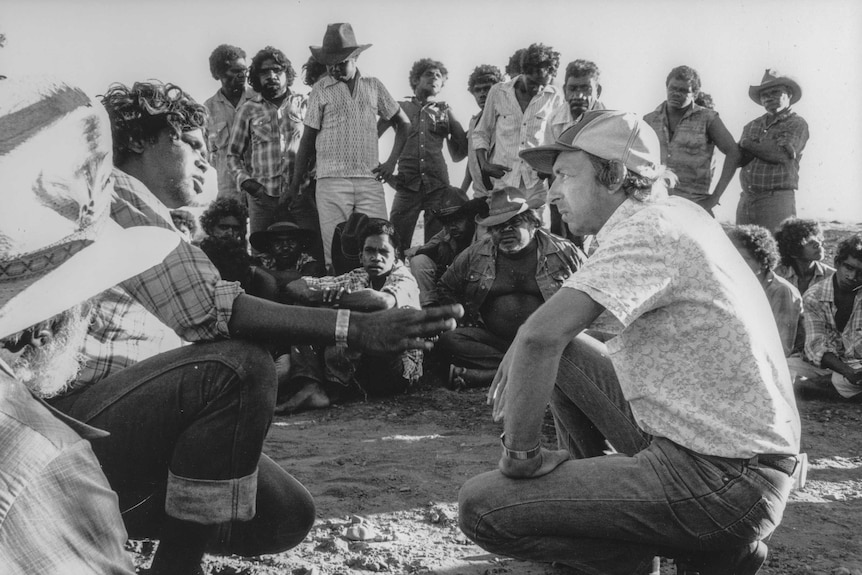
[(610, 514), (187, 428)]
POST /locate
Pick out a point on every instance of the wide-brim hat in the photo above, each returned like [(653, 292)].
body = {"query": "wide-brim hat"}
[(503, 205), (261, 240), (772, 77), (452, 205), (608, 134), (58, 245), (339, 44)]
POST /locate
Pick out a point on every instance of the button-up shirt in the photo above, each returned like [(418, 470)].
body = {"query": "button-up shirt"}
[(479, 190), (271, 133), (347, 140), (786, 304), (699, 358), (821, 272), (221, 114), (762, 176), (508, 130), (182, 298), (821, 332), (422, 165)]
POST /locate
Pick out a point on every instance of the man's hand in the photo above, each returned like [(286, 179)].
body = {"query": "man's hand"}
[(497, 391), (253, 188), (332, 297), (542, 464), (385, 171), (854, 376), (400, 329), (494, 170)]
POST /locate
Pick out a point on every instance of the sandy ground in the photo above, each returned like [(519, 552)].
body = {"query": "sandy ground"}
[(387, 472)]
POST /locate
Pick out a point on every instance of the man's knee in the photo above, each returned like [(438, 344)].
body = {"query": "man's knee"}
[(475, 502)]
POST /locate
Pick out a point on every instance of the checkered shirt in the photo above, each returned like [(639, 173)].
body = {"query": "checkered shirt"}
[(759, 176), (821, 333)]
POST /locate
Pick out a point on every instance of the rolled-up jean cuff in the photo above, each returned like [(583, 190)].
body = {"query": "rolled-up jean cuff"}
[(209, 501)]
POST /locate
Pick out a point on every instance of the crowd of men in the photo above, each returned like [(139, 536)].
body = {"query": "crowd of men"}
[(673, 345)]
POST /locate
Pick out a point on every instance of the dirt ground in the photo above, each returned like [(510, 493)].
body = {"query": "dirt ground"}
[(385, 476)]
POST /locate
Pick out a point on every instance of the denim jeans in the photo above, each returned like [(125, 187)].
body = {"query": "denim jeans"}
[(610, 514), (405, 212), (766, 209), (187, 428), (473, 347)]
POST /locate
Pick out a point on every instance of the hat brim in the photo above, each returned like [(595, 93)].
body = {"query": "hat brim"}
[(498, 219), (332, 58), (754, 91), (115, 256), (542, 158), (261, 240)]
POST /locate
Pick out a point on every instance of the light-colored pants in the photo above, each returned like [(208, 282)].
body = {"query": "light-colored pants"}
[(337, 198), (801, 368)]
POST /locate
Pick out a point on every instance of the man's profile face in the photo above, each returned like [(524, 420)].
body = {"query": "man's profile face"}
[(848, 274), (233, 80), (229, 227), (378, 255), (775, 99), (175, 166), (576, 192), (680, 94), (581, 94), (273, 79), (430, 83), (536, 76), (480, 92), (513, 235), (343, 71), (811, 249)]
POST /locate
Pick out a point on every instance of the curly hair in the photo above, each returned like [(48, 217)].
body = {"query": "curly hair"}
[(381, 227), (792, 234), (222, 208), (312, 71), (634, 185), (481, 72), (704, 100), (540, 55), (686, 74), (222, 57), (513, 68), (581, 68), (141, 112), (759, 243), (848, 248), (423, 65), (269, 53)]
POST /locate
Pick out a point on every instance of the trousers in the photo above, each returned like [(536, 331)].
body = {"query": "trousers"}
[(766, 209), (611, 514)]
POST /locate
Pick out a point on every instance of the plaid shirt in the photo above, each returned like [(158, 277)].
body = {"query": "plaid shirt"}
[(347, 140), (400, 284), (760, 176), (182, 298), (821, 333), (220, 117), (508, 130), (272, 133)]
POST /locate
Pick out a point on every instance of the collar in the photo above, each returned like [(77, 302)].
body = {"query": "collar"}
[(779, 117), (549, 89), (329, 81), (627, 209)]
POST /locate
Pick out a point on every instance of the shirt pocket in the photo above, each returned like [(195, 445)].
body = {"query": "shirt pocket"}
[(261, 131), (219, 136)]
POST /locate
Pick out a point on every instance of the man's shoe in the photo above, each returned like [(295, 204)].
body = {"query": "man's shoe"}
[(737, 561)]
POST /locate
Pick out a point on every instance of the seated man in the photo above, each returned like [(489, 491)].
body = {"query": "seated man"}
[(833, 323), (428, 262), (757, 247), (501, 280), (383, 282), (289, 246), (224, 223), (694, 393), (800, 244)]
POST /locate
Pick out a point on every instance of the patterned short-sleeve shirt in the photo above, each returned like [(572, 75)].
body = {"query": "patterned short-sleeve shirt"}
[(699, 357), (347, 123)]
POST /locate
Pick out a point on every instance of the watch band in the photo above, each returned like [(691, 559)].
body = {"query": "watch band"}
[(515, 454), (342, 324)]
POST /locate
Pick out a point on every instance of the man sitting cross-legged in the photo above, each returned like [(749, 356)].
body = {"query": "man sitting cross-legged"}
[(383, 282)]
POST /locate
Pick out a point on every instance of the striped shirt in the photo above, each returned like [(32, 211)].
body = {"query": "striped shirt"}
[(182, 298), (347, 140), (760, 176), (272, 133), (510, 130)]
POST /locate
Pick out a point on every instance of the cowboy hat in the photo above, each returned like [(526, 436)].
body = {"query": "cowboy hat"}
[(503, 205), (261, 240), (339, 44), (58, 244), (455, 205), (772, 77)]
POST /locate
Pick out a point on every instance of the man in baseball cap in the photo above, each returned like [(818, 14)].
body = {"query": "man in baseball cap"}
[(693, 393)]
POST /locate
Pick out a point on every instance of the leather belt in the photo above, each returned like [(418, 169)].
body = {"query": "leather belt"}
[(783, 463)]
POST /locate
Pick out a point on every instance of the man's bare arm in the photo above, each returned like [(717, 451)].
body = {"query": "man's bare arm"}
[(402, 130), (304, 155), (732, 156)]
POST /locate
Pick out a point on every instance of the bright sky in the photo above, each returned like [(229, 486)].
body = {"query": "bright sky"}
[(730, 42)]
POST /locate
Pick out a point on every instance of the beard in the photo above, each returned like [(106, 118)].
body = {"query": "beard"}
[(49, 369)]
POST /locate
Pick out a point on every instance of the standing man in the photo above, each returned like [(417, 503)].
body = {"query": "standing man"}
[(479, 85), (228, 66), (694, 393), (423, 176), (341, 134), (772, 148), (516, 117), (265, 137), (688, 135)]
